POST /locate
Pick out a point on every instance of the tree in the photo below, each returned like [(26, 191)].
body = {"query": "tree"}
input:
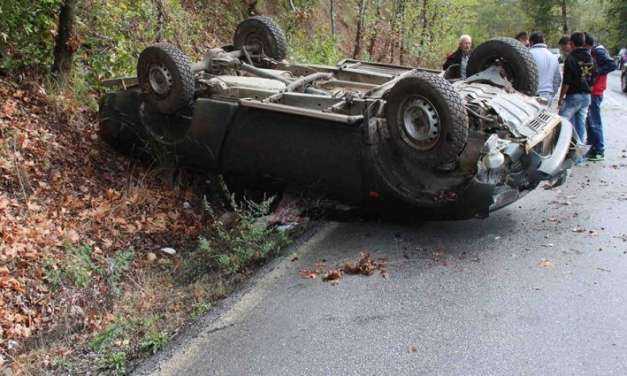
[(374, 31), (64, 47), (332, 16), (360, 26), (564, 17)]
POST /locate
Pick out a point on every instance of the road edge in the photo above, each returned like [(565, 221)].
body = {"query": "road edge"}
[(231, 310)]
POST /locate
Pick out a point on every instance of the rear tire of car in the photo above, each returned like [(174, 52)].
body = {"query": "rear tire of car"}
[(262, 32), (119, 123), (165, 77), (426, 119), (513, 56)]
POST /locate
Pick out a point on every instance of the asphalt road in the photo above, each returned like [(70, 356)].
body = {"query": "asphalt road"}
[(539, 288)]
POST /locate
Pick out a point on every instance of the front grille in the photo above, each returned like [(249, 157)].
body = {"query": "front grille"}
[(540, 121)]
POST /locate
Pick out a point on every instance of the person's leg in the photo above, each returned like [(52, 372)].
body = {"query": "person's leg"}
[(581, 112), (590, 140), (595, 128), (568, 110), (571, 109)]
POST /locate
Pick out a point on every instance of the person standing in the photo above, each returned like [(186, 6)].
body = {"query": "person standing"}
[(574, 98), (461, 55), (565, 46), (603, 64), (523, 38), (549, 76)]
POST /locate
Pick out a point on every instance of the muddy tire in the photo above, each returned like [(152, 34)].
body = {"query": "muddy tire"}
[(262, 32), (513, 56), (426, 119), (165, 76)]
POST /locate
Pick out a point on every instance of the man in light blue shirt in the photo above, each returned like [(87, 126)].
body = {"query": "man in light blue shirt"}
[(549, 77)]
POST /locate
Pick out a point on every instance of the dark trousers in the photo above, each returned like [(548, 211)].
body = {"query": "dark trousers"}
[(594, 126)]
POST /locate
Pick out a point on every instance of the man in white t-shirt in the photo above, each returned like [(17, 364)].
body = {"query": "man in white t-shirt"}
[(549, 77)]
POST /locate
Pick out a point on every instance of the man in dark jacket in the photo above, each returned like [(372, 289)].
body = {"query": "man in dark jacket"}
[(461, 55), (603, 64), (574, 98)]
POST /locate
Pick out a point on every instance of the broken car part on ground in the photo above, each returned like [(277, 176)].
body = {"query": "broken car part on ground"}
[(377, 135)]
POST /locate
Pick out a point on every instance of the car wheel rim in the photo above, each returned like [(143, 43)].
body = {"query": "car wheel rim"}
[(254, 43), (420, 122), (160, 79)]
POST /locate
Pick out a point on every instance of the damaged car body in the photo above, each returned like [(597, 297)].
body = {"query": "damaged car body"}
[(376, 135)]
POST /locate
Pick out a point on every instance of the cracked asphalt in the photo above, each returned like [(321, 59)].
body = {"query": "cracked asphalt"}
[(538, 288)]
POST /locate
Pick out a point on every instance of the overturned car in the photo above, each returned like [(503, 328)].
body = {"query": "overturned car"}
[(381, 136)]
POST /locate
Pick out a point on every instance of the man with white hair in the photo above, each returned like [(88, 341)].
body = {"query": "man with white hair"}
[(461, 55)]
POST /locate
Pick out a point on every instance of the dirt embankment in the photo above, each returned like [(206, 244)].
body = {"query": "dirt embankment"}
[(85, 281)]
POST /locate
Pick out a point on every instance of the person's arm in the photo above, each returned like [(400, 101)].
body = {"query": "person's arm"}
[(568, 79), (605, 64), (557, 79), (560, 101)]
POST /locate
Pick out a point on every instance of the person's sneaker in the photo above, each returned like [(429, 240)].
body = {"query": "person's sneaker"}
[(596, 157)]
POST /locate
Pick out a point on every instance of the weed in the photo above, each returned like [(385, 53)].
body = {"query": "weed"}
[(114, 361), (76, 267), (154, 341), (107, 337), (200, 309), (248, 241), (62, 364), (117, 265)]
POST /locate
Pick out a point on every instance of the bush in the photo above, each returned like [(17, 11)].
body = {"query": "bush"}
[(27, 30)]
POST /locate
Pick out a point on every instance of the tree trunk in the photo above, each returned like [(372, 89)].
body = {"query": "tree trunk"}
[(63, 49), (374, 31), (360, 26), (160, 20), (401, 33), (564, 18), (398, 25), (332, 16), (424, 25)]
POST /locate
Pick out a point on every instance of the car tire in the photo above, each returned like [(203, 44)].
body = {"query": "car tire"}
[(515, 58), (426, 118), (261, 31), (623, 82), (165, 77), (118, 119)]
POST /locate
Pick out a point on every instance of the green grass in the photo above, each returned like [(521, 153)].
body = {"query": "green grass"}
[(154, 341), (76, 268)]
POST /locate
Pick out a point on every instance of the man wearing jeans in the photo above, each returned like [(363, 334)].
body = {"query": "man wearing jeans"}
[(549, 76), (574, 97), (603, 64)]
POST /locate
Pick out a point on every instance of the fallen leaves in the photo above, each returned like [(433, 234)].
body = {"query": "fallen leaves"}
[(333, 276), (60, 186), (365, 266), (544, 263)]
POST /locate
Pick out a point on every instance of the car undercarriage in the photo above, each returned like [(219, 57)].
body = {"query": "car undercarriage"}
[(381, 136)]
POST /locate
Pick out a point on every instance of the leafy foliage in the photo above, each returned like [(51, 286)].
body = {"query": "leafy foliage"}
[(27, 30), (246, 239)]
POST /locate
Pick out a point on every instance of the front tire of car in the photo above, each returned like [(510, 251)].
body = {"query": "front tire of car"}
[(426, 119)]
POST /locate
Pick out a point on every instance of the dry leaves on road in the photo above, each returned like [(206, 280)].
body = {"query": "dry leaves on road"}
[(544, 263), (365, 266)]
